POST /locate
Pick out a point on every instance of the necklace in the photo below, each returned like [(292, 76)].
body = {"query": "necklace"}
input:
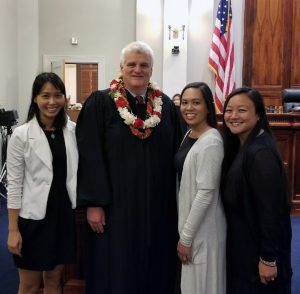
[(51, 133), (140, 128)]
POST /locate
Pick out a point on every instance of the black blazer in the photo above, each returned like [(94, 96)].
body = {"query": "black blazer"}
[(257, 211)]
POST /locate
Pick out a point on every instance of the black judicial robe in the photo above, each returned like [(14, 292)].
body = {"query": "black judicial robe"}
[(183, 125), (134, 181)]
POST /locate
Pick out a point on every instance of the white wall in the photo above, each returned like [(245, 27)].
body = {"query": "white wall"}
[(191, 64), (238, 8), (201, 25), (103, 28), (175, 67), (32, 28), (27, 53), (149, 28), (8, 55), (71, 82)]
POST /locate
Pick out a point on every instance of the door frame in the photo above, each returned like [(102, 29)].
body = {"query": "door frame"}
[(100, 60)]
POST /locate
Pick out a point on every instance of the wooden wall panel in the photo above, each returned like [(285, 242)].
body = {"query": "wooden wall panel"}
[(286, 129), (268, 43), (87, 80), (285, 142), (295, 65), (297, 169), (267, 47)]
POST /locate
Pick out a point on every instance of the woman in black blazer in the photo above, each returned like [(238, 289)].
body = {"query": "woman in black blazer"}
[(256, 201)]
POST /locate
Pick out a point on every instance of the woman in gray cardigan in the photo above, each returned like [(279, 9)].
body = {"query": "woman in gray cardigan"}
[(202, 224)]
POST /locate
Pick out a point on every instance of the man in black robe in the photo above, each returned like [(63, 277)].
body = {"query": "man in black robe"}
[(126, 181)]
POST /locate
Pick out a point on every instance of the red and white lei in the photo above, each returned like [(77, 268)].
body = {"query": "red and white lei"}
[(140, 128)]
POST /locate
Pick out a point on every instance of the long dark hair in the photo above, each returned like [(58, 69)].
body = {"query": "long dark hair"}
[(39, 82), (231, 141), (208, 98)]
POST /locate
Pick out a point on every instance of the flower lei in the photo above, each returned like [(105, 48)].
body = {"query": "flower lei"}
[(140, 128)]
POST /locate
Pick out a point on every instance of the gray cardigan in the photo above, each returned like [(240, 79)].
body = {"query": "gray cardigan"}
[(202, 222)]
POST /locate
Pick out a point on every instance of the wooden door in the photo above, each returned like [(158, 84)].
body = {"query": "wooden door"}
[(87, 80)]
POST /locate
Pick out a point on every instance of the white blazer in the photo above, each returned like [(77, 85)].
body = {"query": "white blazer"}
[(29, 169)]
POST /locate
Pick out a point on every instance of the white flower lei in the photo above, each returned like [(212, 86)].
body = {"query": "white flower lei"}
[(154, 104)]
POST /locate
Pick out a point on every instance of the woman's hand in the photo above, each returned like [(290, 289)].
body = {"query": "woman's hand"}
[(14, 242), (96, 219), (184, 253), (267, 273)]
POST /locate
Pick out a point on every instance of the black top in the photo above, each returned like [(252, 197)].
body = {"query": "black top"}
[(59, 162), (257, 211)]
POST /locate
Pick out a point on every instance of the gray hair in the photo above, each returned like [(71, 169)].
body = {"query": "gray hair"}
[(137, 47)]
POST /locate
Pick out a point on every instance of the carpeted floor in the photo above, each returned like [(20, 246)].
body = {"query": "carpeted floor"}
[(9, 275), (296, 254)]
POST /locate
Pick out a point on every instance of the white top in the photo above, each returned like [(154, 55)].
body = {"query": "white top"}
[(29, 169)]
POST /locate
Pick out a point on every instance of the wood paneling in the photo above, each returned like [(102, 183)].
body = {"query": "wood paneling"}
[(295, 66), (268, 43), (269, 19), (271, 64), (87, 80), (285, 140), (296, 157), (73, 114)]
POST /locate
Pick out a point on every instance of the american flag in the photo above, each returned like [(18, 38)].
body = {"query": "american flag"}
[(221, 56)]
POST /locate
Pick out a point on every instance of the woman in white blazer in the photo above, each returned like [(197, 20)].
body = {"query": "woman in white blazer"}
[(202, 225), (42, 164)]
